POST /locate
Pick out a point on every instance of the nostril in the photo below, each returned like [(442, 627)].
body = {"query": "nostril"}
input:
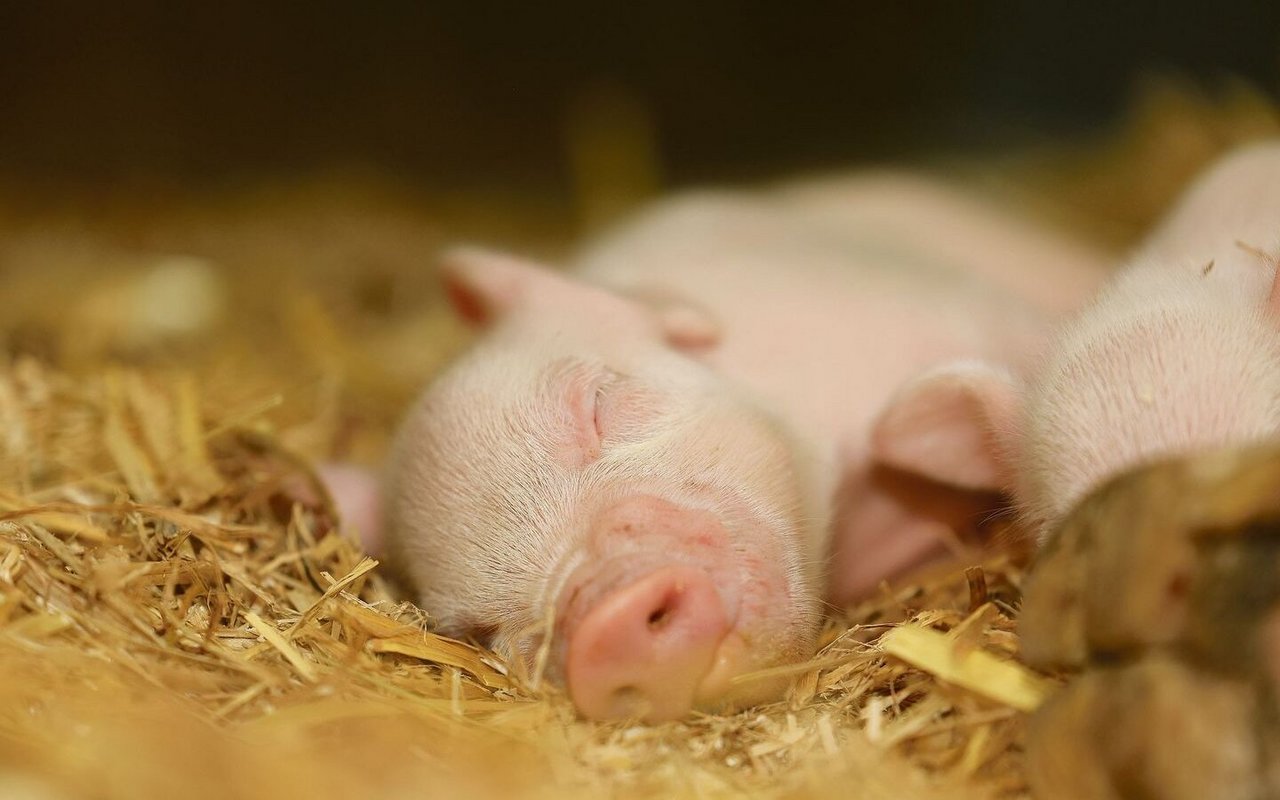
[(664, 612)]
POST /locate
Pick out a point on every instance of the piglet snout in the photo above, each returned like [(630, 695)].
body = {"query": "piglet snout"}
[(646, 648)]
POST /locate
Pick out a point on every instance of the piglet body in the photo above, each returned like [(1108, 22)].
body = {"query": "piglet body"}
[(660, 464)]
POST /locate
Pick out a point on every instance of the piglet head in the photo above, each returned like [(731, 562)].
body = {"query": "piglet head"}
[(581, 485)]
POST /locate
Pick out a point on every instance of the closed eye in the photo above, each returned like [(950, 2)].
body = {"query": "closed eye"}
[(585, 417), (607, 400), (597, 415), (600, 407)]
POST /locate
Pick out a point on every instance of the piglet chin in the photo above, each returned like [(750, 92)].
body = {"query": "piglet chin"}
[(728, 685)]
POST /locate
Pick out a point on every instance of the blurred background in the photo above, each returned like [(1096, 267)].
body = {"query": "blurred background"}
[(463, 94), (255, 190)]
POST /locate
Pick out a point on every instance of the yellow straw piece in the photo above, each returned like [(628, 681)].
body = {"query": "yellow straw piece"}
[(68, 525), (980, 672), (273, 637)]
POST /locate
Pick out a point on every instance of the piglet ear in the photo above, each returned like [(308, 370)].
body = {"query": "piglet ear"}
[(688, 327), (483, 285), (953, 424), (685, 324)]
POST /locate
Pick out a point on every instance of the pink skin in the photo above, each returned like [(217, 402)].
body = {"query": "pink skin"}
[(668, 454), (648, 647), (1179, 353), (355, 491)]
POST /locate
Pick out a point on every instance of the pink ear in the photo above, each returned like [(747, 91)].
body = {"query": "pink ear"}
[(482, 285), (952, 425), (685, 325), (688, 327)]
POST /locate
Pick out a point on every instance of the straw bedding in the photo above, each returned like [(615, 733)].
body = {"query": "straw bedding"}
[(182, 614)]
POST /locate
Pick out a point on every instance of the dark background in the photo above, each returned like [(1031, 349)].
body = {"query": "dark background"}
[(464, 93)]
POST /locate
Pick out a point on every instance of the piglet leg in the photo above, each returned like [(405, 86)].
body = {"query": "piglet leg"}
[(357, 495)]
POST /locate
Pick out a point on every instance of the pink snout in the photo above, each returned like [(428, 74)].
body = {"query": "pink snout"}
[(644, 650)]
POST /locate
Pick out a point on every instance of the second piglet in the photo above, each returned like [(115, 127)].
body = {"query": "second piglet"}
[(1179, 354), (656, 468)]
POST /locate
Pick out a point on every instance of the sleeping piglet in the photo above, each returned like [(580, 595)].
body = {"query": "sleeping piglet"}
[(658, 465), (1179, 353)]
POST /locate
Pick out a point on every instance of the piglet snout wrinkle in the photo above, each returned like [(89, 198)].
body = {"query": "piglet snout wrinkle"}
[(644, 650)]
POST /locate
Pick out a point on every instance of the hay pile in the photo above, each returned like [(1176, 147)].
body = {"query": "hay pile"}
[(168, 607), (168, 612), (181, 613)]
